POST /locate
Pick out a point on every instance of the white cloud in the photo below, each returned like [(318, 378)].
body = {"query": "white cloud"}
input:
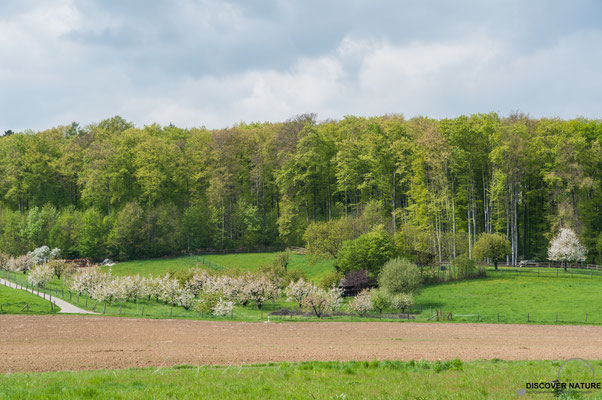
[(212, 63)]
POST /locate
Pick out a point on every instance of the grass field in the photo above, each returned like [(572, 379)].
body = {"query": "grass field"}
[(310, 380), (514, 293), (518, 295), (13, 301), (247, 261)]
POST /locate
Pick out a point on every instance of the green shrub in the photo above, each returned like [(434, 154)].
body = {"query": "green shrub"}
[(206, 302), (465, 266), (399, 276), (331, 279), (294, 276), (370, 251), (182, 275), (381, 300)]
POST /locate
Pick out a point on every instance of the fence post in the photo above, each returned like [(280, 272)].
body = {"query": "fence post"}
[(143, 311), (585, 317), (498, 316), (556, 316), (528, 318), (478, 317)]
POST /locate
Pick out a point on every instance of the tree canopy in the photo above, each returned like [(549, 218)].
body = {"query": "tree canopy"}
[(440, 184)]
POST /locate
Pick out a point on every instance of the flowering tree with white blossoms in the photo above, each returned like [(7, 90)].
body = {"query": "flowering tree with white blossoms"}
[(319, 301), (43, 254), (170, 290), (21, 264), (107, 289), (298, 291), (151, 287), (402, 301), (131, 287), (85, 279), (565, 247), (260, 289), (40, 275), (361, 303), (223, 307)]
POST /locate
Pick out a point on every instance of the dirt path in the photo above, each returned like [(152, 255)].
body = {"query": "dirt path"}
[(59, 342), (66, 308)]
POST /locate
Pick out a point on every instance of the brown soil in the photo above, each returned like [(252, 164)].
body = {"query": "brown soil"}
[(62, 342)]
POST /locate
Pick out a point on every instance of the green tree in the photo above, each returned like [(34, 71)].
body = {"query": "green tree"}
[(128, 237), (493, 246), (370, 252), (399, 276), (93, 235), (381, 300)]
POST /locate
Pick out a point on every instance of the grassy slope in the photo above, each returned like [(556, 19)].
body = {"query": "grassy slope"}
[(514, 294), (248, 261), (13, 300), (319, 380)]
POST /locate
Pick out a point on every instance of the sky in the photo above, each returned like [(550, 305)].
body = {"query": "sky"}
[(218, 63)]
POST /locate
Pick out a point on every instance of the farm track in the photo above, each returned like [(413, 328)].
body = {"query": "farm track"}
[(66, 307), (62, 342)]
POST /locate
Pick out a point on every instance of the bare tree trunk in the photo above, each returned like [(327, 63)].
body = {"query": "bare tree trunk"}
[(393, 203), (454, 218)]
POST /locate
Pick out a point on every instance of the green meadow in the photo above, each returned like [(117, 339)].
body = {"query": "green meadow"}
[(310, 380), (14, 300)]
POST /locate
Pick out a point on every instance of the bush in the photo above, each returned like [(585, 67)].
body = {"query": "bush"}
[(294, 276), (332, 279), (370, 252), (207, 302), (466, 267), (381, 300), (399, 276)]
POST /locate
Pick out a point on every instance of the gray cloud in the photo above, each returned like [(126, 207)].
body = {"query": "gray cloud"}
[(216, 63)]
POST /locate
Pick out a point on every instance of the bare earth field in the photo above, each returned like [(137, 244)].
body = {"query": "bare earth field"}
[(61, 342)]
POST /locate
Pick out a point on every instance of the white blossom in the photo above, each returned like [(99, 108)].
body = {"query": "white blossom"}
[(40, 275), (21, 264), (319, 301), (298, 291), (43, 254), (402, 301), (361, 303), (565, 247), (84, 280), (223, 307)]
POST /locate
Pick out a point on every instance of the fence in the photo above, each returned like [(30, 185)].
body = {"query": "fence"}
[(539, 317), (23, 306), (209, 251)]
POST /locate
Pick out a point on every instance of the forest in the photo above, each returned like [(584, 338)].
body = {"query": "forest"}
[(115, 190)]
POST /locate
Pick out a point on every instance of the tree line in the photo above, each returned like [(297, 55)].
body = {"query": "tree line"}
[(115, 190)]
